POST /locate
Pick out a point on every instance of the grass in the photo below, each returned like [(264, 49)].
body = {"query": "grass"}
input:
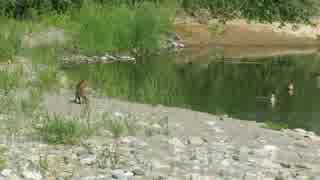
[(10, 81), (10, 38), (3, 161), (275, 125), (59, 130)]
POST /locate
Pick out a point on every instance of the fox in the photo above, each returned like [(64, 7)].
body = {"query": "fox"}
[(81, 94)]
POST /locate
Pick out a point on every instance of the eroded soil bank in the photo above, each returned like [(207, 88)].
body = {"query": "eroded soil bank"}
[(239, 38)]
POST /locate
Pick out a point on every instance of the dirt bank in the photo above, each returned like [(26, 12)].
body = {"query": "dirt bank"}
[(239, 38)]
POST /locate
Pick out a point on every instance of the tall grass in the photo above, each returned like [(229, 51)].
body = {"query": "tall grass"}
[(103, 29), (10, 38)]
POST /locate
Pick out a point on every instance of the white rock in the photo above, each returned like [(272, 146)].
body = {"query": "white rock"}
[(252, 176), (193, 176), (301, 131), (226, 162), (119, 114), (158, 165), (127, 58), (31, 175), (89, 160), (301, 144), (176, 142), (218, 130), (211, 123), (196, 168), (268, 151), (121, 174), (6, 172), (195, 140), (269, 164)]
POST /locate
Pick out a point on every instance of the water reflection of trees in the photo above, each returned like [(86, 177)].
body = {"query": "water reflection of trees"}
[(242, 90)]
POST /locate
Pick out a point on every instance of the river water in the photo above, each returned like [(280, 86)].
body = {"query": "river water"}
[(240, 88)]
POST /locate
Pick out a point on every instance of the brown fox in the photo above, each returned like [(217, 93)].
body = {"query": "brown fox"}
[(80, 94)]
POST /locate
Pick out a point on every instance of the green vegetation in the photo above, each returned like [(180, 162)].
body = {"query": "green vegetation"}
[(3, 161), (123, 29), (10, 38), (275, 125), (59, 130), (267, 10), (11, 80)]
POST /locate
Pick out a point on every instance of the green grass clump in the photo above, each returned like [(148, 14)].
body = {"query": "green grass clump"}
[(3, 161), (59, 130), (10, 81), (10, 38), (275, 125)]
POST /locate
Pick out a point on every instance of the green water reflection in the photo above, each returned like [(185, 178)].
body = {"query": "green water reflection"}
[(241, 90)]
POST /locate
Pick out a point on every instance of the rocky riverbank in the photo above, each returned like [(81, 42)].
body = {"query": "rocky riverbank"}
[(166, 143)]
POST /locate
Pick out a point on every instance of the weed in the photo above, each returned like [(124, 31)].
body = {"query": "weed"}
[(59, 130)]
